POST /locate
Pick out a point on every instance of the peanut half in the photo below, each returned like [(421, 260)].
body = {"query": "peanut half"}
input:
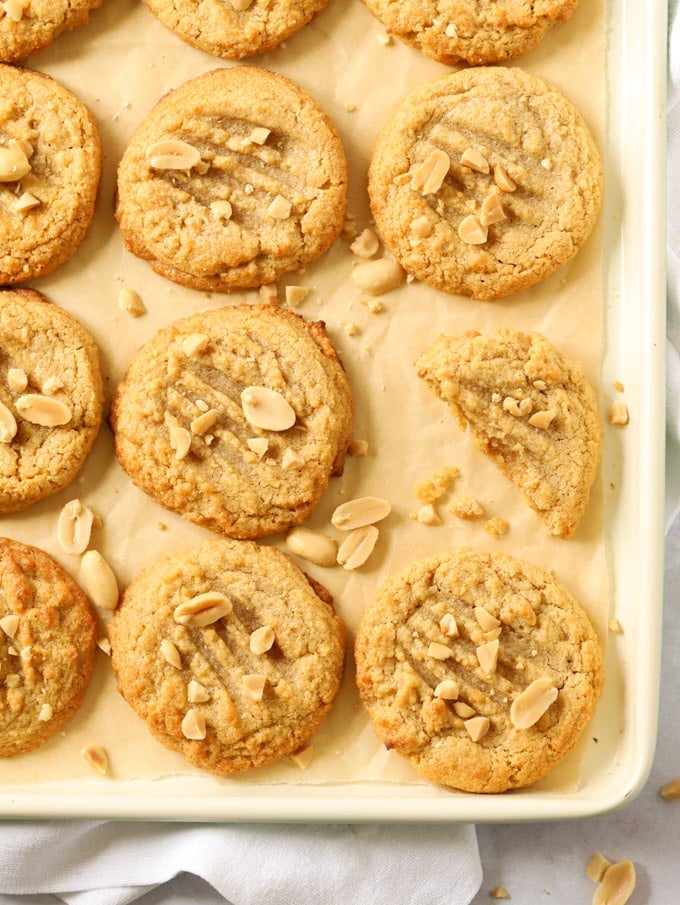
[(267, 409), (532, 703), (74, 527), (362, 511), (203, 609)]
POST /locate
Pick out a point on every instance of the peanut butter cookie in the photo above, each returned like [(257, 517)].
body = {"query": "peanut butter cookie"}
[(50, 166), (485, 181), (235, 418), (233, 179), (477, 31), (47, 647), (234, 29), (229, 653), (530, 409), (478, 668), (27, 26), (51, 398)]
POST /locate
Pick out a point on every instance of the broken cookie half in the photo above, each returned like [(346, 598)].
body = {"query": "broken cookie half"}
[(530, 409)]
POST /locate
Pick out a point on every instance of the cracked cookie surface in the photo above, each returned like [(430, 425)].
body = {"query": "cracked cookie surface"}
[(252, 706), (233, 477), (27, 27), (437, 701), (234, 29), (477, 31), (46, 353), (529, 409), (485, 181), (259, 189), (47, 647), (50, 167)]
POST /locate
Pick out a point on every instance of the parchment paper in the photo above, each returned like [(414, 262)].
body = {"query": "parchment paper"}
[(120, 65)]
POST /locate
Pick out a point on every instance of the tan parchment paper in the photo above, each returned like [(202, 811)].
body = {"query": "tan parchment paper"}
[(120, 65)]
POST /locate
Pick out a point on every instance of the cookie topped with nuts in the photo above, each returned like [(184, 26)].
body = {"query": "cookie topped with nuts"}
[(47, 647), (235, 418), (480, 669), (26, 28), (485, 181), (50, 167), (234, 179), (51, 398), (234, 29), (477, 31), (530, 409), (230, 654)]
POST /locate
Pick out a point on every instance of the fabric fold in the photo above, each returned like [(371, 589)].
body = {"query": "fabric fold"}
[(115, 863)]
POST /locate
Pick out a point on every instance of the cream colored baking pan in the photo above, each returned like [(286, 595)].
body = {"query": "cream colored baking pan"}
[(607, 308)]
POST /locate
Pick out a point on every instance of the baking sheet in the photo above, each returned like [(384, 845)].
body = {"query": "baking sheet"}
[(606, 308)]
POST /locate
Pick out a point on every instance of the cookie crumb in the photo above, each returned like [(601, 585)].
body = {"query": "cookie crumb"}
[(269, 294), (465, 507), (496, 526), (358, 448), (435, 487), (499, 892)]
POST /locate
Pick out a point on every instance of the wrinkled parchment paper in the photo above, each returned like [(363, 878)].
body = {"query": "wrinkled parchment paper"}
[(120, 65)]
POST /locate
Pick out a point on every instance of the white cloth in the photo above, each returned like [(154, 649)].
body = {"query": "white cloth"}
[(114, 863)]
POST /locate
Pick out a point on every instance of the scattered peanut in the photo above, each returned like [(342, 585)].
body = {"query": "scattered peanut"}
[(359, 512), (377, 276), (203, 609), (74, 527), (172, 154), (262, 639), (193, 725), (355, 550), (98, 580), (131, 301), (428, 177), (43, 410), (312, 546), (617, 884), (96, 757), (267, 409), (471, 231), (529, 706)]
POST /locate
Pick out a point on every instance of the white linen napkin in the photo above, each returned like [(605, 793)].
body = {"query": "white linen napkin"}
[(114, 863)]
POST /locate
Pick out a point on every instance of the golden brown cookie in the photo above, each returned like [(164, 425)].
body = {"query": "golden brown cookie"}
[(233, 179), (234, 29), (27, 26), (47, 647), (529, 409), (50, 166), (51, 398), (236, 418), (485, 181), (478, 668), (477, 31), (229, 654)]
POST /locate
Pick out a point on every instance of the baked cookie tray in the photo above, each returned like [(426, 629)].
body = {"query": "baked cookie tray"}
[(607, 308)]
